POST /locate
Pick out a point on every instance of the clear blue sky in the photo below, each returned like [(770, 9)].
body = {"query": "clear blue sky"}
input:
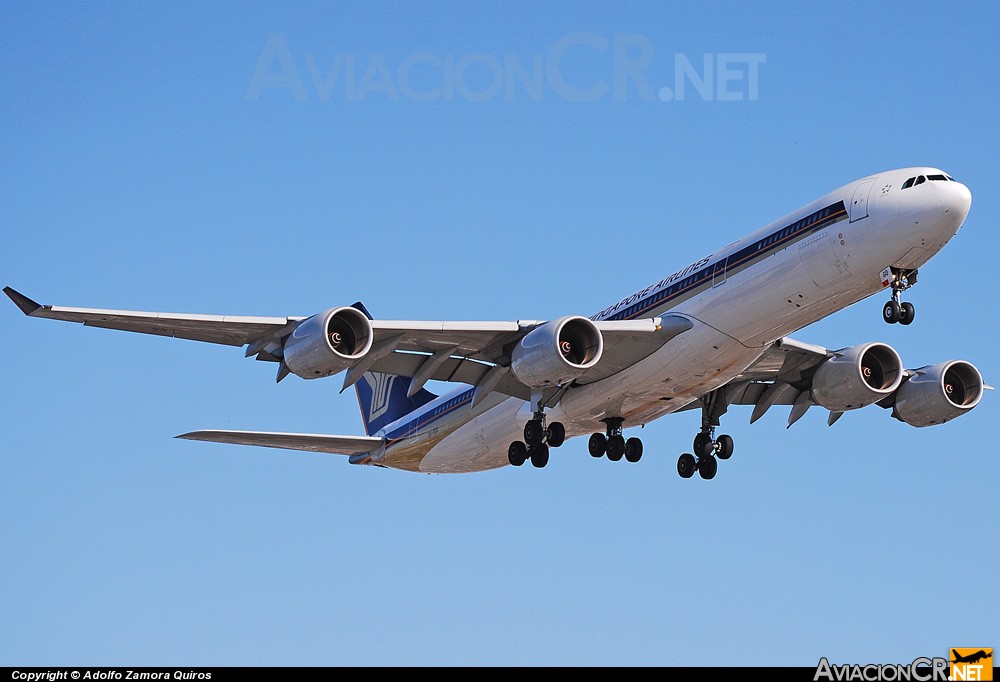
[(283, 159)]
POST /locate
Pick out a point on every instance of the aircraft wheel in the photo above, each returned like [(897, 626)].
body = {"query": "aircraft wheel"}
[(597, 445), (707, 467), (724, 447), (703, 445), (686, 465), (633, 450), (556, 435), (906, 313), (891, 312), (616, 448), (517, 453), (539, 455), (533, 432)]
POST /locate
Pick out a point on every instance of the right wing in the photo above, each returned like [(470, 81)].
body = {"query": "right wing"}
[(310, 442), (225, 329), (477, 353)]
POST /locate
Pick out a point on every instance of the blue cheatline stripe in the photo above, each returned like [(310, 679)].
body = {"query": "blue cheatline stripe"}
[(741, 259), (427, 419)]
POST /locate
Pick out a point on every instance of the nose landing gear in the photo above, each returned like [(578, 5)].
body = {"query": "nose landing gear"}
[(895, 310)]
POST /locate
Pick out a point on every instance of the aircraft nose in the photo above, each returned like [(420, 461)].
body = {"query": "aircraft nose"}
[(957, 200)]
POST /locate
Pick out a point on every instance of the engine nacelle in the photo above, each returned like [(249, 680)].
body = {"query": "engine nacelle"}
[(857, 376), (938, 393), (557, 352), (328, 343)]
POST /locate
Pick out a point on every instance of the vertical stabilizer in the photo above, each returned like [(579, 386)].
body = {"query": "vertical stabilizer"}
[(382, 397), (383, 400)]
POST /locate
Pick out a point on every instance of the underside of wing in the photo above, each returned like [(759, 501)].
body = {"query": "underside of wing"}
[(223, 329), (516, 358), (802, 375), (310, 442)]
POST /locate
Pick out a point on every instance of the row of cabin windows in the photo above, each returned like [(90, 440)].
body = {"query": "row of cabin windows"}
[(771, 239), (795, 227), (920, 179)]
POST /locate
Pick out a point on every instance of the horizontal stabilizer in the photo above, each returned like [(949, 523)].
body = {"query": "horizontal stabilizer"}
[(310, 442)]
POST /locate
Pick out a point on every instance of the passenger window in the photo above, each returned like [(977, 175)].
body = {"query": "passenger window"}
[(908, 183)]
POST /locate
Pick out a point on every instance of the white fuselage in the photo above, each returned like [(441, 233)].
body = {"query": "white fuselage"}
[(742, 298)]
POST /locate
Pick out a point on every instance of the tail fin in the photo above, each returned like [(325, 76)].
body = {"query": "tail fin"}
[(383, 400), (382, 397)]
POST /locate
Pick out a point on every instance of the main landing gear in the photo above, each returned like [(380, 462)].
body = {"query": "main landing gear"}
[(895, 311), (538, 438), (613, 443), (708, 449)]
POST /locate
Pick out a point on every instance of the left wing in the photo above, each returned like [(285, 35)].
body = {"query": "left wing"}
[(783, 375), (477, 353)]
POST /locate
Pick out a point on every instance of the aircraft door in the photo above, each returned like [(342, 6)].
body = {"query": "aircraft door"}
[(719, 274), (859, 204)]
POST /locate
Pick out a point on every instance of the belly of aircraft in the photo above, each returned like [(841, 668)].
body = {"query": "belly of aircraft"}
[(658, 385)]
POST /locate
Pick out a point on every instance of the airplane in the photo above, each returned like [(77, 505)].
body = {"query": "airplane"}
[(971, 658), (712, 334)]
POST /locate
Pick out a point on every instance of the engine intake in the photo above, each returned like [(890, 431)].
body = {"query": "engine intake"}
[(328, 343), (557, 352), (857, 376), (938, 393)]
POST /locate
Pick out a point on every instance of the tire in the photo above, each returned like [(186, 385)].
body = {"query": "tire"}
[(556, 435), (725, 446), (707, 467), (539, 455), (517, 453), (703, 445), (633, 450), (906, 313), (616, 448), (891, 312), (533, 433), (686, 465), (597, 445)]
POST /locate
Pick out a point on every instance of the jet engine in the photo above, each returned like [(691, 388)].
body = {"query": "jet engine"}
[(557, 352), (938, 393), (328, 343), (857, 376)]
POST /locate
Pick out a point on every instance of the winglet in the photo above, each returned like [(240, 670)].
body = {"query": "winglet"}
[(26, 305)]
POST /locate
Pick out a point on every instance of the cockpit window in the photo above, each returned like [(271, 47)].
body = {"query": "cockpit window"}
[(920, 179)]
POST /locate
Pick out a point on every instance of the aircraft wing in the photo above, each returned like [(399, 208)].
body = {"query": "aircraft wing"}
[(477, 353), (781, 376), (225, 329), (310, 442)]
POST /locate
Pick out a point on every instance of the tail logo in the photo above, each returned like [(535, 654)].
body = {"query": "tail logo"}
[(381, 388)]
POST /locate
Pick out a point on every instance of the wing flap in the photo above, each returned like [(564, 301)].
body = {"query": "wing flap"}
[(309, 442)]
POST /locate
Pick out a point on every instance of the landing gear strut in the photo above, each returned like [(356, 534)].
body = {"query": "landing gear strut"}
[(538, 438), (707, 448), (613, 443), (895, 310)]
